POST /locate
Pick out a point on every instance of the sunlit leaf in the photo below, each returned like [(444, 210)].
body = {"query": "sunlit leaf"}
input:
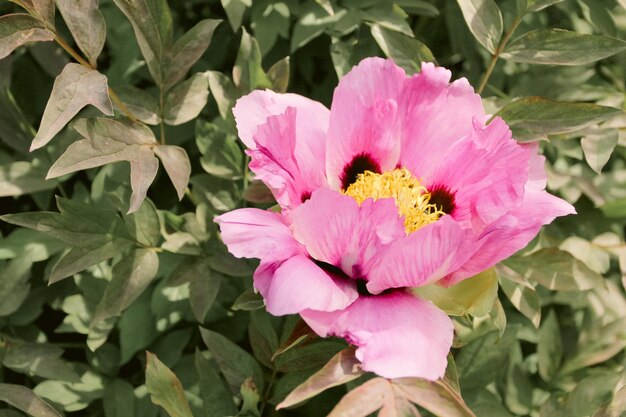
[(26, 400), (18, 29), (598, 146), (406, 52), (234, 10), (484, 21), (185, 101), (543, 116), (561, 47), (86, 24), (473, 296), (177, 165), (165, 389), (73, 89)]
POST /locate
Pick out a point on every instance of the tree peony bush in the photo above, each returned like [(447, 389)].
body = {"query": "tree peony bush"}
[(391, 208)]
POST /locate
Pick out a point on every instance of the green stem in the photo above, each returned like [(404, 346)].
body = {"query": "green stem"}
[(161, 111), (266, 394), (496, 54)]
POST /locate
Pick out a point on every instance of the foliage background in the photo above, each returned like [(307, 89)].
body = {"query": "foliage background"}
[(86, 288)]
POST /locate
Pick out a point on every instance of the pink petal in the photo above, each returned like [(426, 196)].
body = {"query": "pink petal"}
[(252, 110), (486, 172), (363, 121), (335, 230), (397, 334), (510, 233), (298, 284), (435, 114), (424, 256), (255, 233), (285, 162)]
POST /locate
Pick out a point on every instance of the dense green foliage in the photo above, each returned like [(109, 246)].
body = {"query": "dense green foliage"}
[(112, 256)]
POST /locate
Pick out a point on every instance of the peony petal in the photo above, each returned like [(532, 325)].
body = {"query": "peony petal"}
[(252, 110), (424, 256), (510, 233), (485, 172), (255, 233), (435, 114), (364, 130), (397, 334), (335, 230), (298, 284)]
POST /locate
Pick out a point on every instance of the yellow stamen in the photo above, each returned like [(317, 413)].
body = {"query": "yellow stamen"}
[(411, 197)]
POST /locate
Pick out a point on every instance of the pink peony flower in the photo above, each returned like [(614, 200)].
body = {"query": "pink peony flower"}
[(401, 184)]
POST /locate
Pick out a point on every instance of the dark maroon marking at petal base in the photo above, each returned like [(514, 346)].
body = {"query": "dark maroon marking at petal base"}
[(305, 196), (443, 198), (359, 164)]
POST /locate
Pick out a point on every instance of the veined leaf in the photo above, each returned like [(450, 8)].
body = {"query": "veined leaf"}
[(406, 52), (473, 296), (561, 47), (188, 49), (130, 277), (152, 23), (17, 29), (484, 21), (177, 165), (86, 24), (165, 389), (40, 9), (140, 103), (342, 368), (26, 400), (185, 101), (538, 115), (73, 89)]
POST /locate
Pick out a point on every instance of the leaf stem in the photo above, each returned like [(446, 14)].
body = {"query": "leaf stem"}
[(497, 52), (161, 110), (268, 389)]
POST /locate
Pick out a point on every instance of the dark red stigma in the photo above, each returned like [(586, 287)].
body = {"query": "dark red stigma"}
[(359, 164), (443, 198)]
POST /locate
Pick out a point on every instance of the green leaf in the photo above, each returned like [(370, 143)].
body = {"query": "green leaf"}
[(590, 393), (616, 407), (73, 89), (188, 49), (614, 208), (40, 9), (87, 25), (131, 276), (118, 399), (165, 389), (263, 337), (522, 295), (26, 400), (549, 348), (14, 285), (216, 399), (21, 177), (204, 286), (537, 5), (152, 23), (140, 103), (308, 356), (224, 93), (234, 11), (251, 397), (479, 362), (278, 75), (598, 145), (556, 269), (185, 101), (177, 165), (38, 359), (248, 73), (542, 116), (144, 225), (340, 369), (473, 296), (36, 246), (484, 21), (561, 47), (221, 155), (17, 29), (236, 364), (248, 301), (406, 52)]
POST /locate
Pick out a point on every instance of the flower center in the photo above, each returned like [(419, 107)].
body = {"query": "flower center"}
[(411, 197)]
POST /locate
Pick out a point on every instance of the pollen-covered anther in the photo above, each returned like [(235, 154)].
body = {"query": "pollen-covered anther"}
[(411, 197)]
